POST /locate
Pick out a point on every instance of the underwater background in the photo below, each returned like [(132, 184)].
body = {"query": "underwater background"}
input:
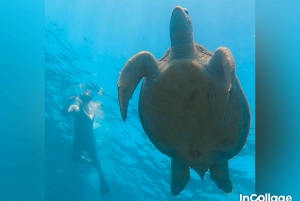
[(87, 44)]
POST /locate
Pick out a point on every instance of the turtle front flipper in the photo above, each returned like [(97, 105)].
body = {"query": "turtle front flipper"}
[(222, 68), (219, 173), (141, 65), (180, 176)]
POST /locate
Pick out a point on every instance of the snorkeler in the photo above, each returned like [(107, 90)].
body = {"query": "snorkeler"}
[(84, 138)]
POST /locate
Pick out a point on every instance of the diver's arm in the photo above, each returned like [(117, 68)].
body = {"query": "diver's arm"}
[(93, 116), (68, 108), (90, 114)]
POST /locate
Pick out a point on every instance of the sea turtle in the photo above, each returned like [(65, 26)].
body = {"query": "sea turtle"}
[(191, 105)]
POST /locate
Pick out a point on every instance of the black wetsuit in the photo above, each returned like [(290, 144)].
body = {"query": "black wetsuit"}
[(84, 138)]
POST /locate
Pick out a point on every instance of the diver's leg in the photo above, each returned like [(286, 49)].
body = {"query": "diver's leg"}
[(77, 153), (92, 152), (94, 162)]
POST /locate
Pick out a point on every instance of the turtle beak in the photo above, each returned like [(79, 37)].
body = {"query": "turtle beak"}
[(181, 29)]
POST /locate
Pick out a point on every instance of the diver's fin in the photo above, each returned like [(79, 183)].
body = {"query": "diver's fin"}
[(222, 67), (219, 173), (180, 176), (141, 65), (104, 188)]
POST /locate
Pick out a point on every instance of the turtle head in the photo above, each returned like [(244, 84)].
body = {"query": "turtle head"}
[(181, 28)]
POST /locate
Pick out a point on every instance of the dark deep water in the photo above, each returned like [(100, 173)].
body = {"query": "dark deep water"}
[(89, 42)]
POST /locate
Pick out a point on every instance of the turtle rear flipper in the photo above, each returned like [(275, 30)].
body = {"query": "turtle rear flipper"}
[(141, 65), (180, 176), (219, 173)]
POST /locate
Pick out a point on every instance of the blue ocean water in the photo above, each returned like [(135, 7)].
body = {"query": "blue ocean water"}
[(89, 42)]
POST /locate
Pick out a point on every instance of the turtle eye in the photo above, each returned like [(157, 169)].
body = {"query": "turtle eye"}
[(186, 11)]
